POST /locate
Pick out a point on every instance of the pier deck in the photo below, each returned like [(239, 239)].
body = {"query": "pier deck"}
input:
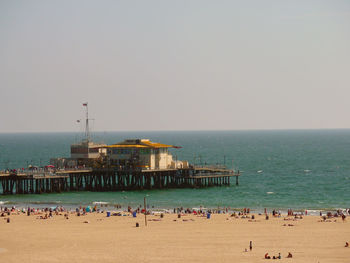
[(36, 182)]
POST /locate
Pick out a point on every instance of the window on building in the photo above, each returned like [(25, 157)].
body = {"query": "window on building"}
[(145, 151), (125, 151)]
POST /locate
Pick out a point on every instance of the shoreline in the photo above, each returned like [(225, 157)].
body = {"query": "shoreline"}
[(108, 206), (104, 207)]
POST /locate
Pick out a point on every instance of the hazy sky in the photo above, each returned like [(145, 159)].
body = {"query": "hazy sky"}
[(174, 65)]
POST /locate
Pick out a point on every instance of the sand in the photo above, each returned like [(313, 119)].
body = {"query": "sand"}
[(189, 239)]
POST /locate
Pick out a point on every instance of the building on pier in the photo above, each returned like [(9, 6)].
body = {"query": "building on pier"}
[(144, 154), (87, 150), (130, 154), (84, 153)]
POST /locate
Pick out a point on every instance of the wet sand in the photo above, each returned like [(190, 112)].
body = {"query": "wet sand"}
[(189, 239)]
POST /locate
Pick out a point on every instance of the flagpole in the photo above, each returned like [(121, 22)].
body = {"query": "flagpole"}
[(87, 132)]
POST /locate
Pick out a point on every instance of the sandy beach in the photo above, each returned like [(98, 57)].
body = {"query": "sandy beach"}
[(191, 238)]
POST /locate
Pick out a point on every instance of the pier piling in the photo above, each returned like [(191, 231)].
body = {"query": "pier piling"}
[(112, 180)]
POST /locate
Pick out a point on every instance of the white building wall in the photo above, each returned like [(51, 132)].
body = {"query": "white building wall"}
[(163, 160), (153, 161), (169, 160)]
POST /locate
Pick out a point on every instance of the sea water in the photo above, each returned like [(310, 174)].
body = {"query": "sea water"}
[(298, 169)]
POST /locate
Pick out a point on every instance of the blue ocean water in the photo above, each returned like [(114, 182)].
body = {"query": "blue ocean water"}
[(298, 169)]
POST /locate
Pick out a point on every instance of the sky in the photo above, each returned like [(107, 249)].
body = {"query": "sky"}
[(174, 65)]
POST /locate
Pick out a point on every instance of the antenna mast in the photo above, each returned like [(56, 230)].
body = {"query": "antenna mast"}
[(87, 131)]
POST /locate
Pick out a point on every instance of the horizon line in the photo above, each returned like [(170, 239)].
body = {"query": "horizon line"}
[(194, 130)]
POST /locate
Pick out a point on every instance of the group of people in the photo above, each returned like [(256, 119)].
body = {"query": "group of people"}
[(330, 215), (276, 213), (179, 210), (267, 256)]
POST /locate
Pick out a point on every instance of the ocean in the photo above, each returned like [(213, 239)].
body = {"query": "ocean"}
[(297, 169)]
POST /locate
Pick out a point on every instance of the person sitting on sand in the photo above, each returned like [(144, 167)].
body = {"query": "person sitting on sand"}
[(289, 255), (346, 244), (267, 256)]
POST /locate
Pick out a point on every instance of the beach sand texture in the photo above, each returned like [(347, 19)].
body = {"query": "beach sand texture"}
[(189, 239)]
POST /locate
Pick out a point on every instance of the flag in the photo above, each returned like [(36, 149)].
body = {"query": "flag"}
[(85, 104)]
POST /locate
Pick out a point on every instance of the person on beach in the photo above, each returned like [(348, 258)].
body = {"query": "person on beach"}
[(346, 244), (289, 255), (267, 256)]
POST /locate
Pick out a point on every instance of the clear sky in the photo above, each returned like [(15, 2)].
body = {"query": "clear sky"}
[(174, 65)]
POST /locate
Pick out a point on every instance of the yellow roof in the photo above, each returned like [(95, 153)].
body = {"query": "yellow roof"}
[(126, 146), (140, 144), (156, 144)]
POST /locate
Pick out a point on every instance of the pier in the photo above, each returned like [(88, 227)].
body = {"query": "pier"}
[(37, 182), (133, 164)]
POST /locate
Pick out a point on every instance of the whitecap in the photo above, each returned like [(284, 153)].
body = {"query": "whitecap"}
[(307, 171), (313, 211), (260, 171), (270, 193), (100, 203)]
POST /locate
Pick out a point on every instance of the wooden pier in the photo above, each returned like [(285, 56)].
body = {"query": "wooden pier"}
[(33, 182)]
